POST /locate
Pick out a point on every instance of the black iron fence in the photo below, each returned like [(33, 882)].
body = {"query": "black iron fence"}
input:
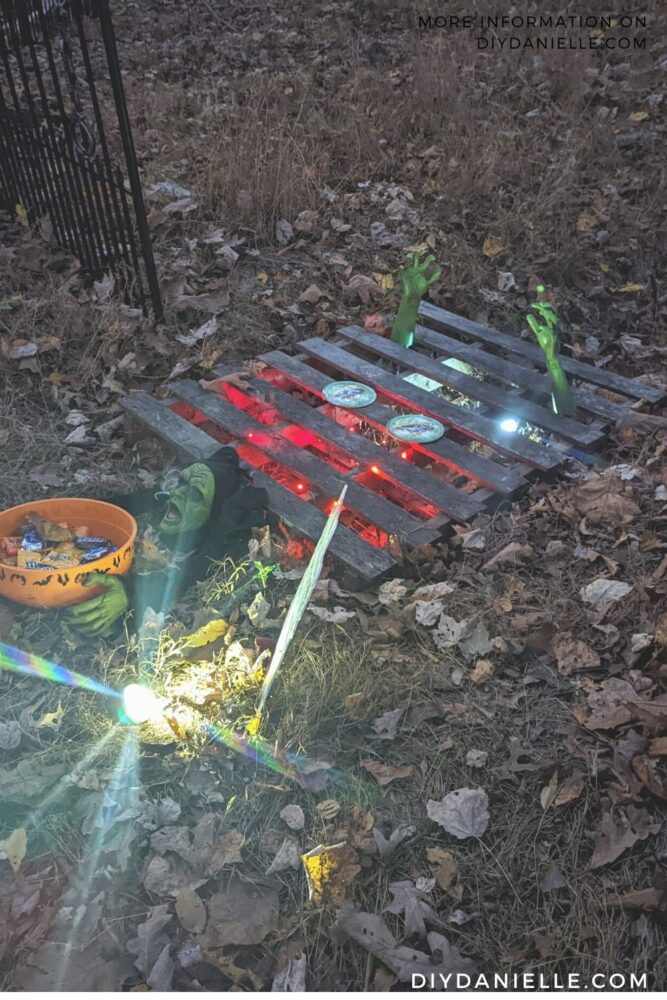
[(60, 82)]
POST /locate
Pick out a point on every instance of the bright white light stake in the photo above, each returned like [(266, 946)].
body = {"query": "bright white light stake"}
[(301, 598), (509, 424), (141, 705)]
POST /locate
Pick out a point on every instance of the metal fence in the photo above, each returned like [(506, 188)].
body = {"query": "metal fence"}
[(60, 82)]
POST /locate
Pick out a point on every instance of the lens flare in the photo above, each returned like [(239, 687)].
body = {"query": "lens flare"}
[(20, 662), (141, 704), (509, 424)]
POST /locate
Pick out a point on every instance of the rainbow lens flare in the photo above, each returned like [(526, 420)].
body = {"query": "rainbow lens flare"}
[(20, 662)]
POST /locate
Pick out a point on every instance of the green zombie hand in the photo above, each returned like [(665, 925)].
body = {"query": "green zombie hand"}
[(544, 324), (97, 616), (416, 282)]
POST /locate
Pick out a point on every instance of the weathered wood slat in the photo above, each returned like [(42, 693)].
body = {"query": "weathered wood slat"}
[(498, 478), (473, 424), (453, 502), (526, 377), (374, 508), (513, 344), (364, 559), (168, 426), (474, 388)]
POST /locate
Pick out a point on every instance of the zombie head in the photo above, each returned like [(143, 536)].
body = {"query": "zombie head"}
[(190, 504)]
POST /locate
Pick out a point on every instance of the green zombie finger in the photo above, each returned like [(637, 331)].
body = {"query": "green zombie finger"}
[(415, 282), (543, 321)]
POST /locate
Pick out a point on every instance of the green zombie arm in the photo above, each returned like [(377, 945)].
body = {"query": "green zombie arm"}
[(415, 284), (545, 327), (97, 616)]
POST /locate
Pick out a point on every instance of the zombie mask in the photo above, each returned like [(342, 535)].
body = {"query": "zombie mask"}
[(189, 505)]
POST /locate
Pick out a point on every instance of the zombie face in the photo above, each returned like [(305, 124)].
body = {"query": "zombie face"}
[(189, 505)]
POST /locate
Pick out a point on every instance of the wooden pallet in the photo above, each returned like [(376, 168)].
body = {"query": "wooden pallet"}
[(302, 449)]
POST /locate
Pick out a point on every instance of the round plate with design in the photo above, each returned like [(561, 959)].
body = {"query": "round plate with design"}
[(415, 427), (352, 394)]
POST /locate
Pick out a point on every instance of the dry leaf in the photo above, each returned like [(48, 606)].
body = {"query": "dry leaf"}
[(386, 725), (336, 617), (226, 852), (433, 591), (511, 555), (620, 833), (463, 813), (363, 288), (375, 323), (476, 758), (10, 735), (427, 612), (601, 594), (357, 704), (151, 940), (52, 720), (570, 790), (629, 286), (328, 808), (242, 914), (385, 281), (638, 116), (293, 816), (292, 979), (190, 910), (476, 642), (493, 246), (658, 747), (371, 932), (13, 849), (548, 793), (386, 773), (329, 871), (587, 222), (387, 847), (409, 901), (482, 671), (449, 632), (207, 634), (391, 592), (573, 654), (609, 704), (553, 880), (601, 501), (287, 856), (312, 294), (443, 866), (359, 825)]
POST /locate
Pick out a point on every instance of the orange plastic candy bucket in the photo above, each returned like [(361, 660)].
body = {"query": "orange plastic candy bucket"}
[(59, 588)]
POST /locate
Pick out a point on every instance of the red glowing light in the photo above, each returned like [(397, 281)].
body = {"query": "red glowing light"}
[(404, 454), (375, 469), (300, 487)]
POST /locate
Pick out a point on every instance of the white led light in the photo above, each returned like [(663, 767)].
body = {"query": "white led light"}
[(141, 705), (509, 424)]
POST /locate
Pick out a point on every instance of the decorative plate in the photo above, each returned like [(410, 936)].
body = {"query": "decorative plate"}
[(352, 394), (415, 427)]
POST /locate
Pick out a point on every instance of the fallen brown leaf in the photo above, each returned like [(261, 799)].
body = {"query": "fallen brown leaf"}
[(573, 654), (510, 555), (570, 789), (385, 773), (482, 671), (443, 867)]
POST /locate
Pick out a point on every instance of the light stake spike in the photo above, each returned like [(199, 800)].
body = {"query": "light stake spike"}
[(299, 603)]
